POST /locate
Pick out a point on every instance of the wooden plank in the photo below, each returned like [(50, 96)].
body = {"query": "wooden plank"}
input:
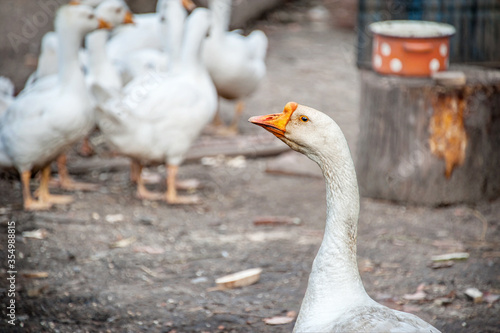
[(250, 146)]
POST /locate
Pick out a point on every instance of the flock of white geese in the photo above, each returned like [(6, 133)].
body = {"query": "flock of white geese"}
[(170, 96), (150, 87)]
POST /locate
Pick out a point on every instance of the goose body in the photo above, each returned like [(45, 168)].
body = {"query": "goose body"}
[(235, 62), (6, 93), (158, 124), (335, 299), (41, 124)]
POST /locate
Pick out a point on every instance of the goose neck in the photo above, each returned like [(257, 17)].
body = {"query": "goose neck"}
[(196, 30), (221, 16), (68, 62), (173, 30), (96, 47), (334, 282)]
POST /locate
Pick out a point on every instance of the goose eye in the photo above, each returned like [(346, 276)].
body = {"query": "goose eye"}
[(118, 10), (304, 119), (91, 16)]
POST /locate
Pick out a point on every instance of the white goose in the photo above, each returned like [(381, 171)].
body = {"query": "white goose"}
[(335, 300), (161, 126), (235, 62), (47, 61), (140, 48), (100, 68), (145, 71), (42, 123), (6, 93)]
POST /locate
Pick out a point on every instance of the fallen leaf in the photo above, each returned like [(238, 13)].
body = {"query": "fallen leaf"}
[(276, 220), (148, 249), (490, 298), (35, 275), (278, 320), (366, 265), (410, 308), (442, 264), (451, 256), (123, 242), (239, 279), (418, 296), (113, 218), (237, 162), (474, 294), (35, 234)]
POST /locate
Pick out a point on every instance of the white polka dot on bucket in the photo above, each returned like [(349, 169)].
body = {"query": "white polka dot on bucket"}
[(443, 50), (396, 65), (377, 61), (385, 49), (434, 65)]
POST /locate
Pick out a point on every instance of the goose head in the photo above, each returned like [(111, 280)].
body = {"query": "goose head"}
[(80, 17), (304, 129), (115, 12)]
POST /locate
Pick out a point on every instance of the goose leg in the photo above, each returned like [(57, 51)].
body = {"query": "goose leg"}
[(135, 171), (233, 128), (43, 190), (65, 180), (86, 149), (217, 121), (171, 195), (29, 202), (142, 191)]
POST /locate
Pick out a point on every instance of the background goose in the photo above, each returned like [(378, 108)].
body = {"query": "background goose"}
[(42, 123), (47, 61), (150, 65), (235, 62), (6, 93), (335, 300), (140, 48), (162, 124), (100, 69)]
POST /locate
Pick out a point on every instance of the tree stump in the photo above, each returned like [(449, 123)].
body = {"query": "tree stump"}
[(425, 143)]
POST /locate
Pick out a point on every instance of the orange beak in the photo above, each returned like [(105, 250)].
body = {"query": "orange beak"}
[(188, 4), (104, 25), (276, 123), (129, 18), (74, 2)]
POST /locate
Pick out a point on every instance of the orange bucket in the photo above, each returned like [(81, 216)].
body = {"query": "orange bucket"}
[(411, 48)]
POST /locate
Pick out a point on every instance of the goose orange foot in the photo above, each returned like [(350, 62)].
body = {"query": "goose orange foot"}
[(34, 205), (65, 181), (71, 185), (57, 199), (144, 194), (44, 194), (182, 200)]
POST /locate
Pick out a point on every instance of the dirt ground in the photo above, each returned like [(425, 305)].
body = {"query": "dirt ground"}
[(163, 281)]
